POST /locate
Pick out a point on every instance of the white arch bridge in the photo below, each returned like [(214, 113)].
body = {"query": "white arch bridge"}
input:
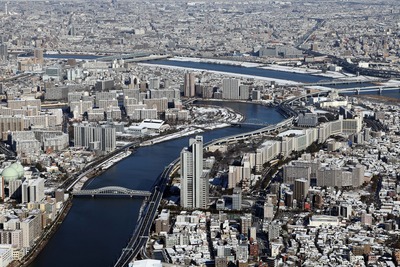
[(112, 191)]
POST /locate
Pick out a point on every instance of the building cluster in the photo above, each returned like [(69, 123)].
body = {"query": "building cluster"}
[(232, 239), (338, 224), (291, 140), (24, 223), (202, 28), (338, 204), (31, 130), (206, 29), (365, 41)]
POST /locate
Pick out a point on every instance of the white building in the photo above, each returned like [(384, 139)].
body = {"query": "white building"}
[(146, 263), (5, 255), (31, 229), (33, 190), (194, 185)]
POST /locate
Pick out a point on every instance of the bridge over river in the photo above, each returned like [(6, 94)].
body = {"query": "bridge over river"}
[(112, 191)]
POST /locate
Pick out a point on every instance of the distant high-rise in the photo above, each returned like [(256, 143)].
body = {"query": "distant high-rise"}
[(71, 30), (189, 86), (154, 83), (230, 88), (301, 189), (3, 52), (194, 185), (38, 55), (237, 199)]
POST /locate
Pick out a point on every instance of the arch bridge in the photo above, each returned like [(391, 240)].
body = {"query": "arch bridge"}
[(112, 191)]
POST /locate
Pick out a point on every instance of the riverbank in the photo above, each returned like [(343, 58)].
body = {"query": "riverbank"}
[(218, 61), (227, 118), (89, 217), (379, 99), (104, 166), (84, 181), (279, 81), (42, 242)]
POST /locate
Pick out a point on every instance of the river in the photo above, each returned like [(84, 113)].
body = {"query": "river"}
[(95, 230), (252, 71)]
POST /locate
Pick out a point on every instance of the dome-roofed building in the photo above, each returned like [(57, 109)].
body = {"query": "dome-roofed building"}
[(18, 167), (9, 174)]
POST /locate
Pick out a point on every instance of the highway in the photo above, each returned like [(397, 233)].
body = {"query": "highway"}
[(147, 215), (6, 151)]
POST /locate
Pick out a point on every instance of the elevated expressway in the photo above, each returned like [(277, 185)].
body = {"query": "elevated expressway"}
[(148, 213)]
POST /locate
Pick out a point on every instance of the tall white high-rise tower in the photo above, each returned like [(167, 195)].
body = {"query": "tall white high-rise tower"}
[(194, 185)]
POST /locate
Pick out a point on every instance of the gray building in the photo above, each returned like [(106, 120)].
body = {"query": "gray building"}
[(237, 199), (307, 120), (230, 88), (102, 137), (3, 52)]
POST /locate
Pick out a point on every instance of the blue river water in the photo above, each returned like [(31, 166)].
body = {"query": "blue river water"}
[(71, 56), (284, 75), (95, 230)]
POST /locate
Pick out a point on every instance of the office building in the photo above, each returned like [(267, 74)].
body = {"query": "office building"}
[(85, 134), (194, 185), (268, 211), (31, 229), (189, 85), (154, 83), (3, 52), (104, 85), (14, 189), (301, 189), (230, 88), (295, 171), (274, 230), (307, 120), (245, 223), (237, 199), (32, 190), (244, 92)]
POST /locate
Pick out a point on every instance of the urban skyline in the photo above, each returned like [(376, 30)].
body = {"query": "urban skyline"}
[(220, 133)]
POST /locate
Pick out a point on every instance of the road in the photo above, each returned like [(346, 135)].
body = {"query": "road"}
[(146, 217)]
